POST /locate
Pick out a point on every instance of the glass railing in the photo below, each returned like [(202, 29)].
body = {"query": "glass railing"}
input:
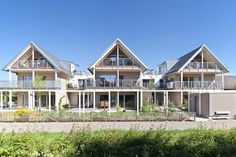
[(32, 64), (204, 65), (126, 83), (121, 62), (194, 85), (30, 85)]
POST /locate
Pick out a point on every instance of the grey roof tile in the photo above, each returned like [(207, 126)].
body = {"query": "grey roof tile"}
[(182, 60)]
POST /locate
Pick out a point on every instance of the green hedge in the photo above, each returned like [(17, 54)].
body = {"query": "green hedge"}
[(132, 143)]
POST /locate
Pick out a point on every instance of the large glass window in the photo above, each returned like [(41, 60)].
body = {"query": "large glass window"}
[(113, 59), (43, 61), (107, 80), (27, 81), (121, 60), (27, 78), (44, 100)]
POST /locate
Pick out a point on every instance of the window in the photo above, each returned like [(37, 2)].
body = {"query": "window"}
[(43, 61), (43, 100), (113, 59), (107, 80), (121, 60), (27, 78), (103, 97)]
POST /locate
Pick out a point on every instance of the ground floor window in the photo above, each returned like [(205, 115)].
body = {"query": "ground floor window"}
[(44, 100), (129, 101), (103, 97)]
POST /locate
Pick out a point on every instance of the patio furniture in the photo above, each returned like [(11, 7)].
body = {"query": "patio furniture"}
[(104, 104)]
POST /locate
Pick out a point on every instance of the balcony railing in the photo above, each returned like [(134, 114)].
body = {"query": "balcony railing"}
[(149, 85), (29, 85), (194, 85), (151, 72), (32, 64), (121, 62), (204, 66), (126, 84)]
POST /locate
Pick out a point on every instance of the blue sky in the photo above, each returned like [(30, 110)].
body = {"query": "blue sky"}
[(154, 30)]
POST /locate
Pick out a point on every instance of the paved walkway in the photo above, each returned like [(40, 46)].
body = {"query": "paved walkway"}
[(68, 126)]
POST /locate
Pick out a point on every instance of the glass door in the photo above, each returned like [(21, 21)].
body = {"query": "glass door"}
[(27, 81)]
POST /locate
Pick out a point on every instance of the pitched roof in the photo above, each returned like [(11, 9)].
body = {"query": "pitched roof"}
[(185, 59), (58, 64), (118, 41), (182, 60)]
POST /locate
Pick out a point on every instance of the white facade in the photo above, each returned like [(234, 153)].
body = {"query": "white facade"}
[(118, 77)]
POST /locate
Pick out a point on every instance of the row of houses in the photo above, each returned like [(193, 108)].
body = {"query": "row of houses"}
[(118, 77)]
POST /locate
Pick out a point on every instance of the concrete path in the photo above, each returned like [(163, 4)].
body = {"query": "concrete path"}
[(68, 126)]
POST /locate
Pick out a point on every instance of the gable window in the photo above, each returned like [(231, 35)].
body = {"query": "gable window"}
[(43, 61), (121, 60), (113, 59)]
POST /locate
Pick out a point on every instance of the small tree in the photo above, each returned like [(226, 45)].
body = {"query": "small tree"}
[(38, 84), (60, 103)]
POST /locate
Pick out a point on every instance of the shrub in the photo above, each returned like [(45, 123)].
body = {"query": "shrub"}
[(118, 108), (196, 143), (23, 111), (146, 107), (119, 143)]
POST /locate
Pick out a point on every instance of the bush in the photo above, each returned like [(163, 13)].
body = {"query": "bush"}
[(38, 144), (196, 143), (23, 111), (118, 143), (146, 107)]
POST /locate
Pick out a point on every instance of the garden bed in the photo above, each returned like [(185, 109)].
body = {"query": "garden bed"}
[(92, 116)]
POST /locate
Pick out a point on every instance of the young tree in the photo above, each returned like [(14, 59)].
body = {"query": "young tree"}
[(38, 84)]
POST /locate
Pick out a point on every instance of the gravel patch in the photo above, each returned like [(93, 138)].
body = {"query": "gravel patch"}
[(68, 126)]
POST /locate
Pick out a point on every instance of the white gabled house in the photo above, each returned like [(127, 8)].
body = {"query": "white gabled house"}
[(118, 77), (31, 62)]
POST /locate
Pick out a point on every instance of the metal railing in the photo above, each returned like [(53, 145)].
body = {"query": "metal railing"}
[(148, 85), (32, 64), (194, 85), (151, 72), (29, 85), (204, 66), (121, 62)]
